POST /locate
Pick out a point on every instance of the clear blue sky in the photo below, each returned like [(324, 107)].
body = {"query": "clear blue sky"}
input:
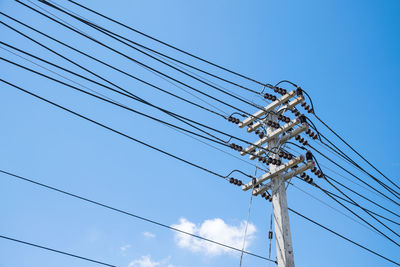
[(344, 53)]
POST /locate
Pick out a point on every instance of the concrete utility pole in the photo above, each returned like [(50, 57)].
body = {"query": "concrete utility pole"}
[(284, 247), (275, 136)]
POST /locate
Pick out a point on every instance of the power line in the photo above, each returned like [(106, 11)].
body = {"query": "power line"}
[(124, 90), (349, 202), (129, 214), (341, 198), (134, 60), (178, 63), (338, 165), (158, 75), (155, 71), (344, 177), (113, 102), (182, 132), (357, 184), (218, 140), (130, 95), (118, 37), (168, 45), (356, 204), (386, 236), (97, 60), (54, 250), (355, 151), (369, 200), (353, 175), (113, 130), (331, 207), (343, 237), (346, 157), (342, 154)]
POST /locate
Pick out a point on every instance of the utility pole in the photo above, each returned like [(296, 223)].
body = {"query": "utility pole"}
[(274, 181), (283, 236)]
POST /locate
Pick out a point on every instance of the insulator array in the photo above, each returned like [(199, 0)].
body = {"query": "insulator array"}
[(269, 160), (267, 196), (279, 90), (301, 140), (307, 107), (270, 97), (283, 118), (312, 134), (235, 147), (285, 155), (317, 172), (296, 112), (306, 178), (235, 181), (260, 133), (309, 156), (273, 124), (233, 120)]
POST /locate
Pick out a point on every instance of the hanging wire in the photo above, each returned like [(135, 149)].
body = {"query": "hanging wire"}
[(245, 230), (270, 241)]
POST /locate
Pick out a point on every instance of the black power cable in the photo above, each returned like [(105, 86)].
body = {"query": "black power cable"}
[(343, 199), (361, 180), (347, 158), (55, 250), (118, 37), (356, 204), (332, 161), (124, 93), (115, 103), (218, 141), (168, 58), (97, 60), (134, 60), (343, 237), (128, 213), (355, 214), (355, 151), (166, 44), (369, 200), (113, 130), (349, 202)]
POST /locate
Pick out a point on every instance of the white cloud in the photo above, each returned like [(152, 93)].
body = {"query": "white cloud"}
[(149, 235), (124, 248), (145, 261), (215, 229)]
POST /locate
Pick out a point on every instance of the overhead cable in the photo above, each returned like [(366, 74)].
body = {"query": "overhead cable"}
[(128, 213), (55, 250)]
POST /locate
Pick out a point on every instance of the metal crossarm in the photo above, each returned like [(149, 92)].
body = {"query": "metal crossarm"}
[(268, 108), (295, 171), (274, 134), (277, 171), (284, 108), (294, 133)]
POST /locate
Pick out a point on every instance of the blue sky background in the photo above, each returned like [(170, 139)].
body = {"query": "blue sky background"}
[(344, 53)]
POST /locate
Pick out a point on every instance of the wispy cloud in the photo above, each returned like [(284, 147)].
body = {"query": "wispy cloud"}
[(215, 229), (125, 248), (146, 261), (149, 235)]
